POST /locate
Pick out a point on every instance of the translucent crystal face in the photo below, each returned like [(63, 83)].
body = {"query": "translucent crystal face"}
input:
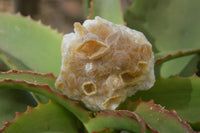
[(103, 63)]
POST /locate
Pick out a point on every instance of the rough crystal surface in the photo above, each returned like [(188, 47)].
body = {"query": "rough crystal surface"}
[(104, 63)]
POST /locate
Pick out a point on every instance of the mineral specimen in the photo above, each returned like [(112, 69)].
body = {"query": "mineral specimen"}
[(104, 63)]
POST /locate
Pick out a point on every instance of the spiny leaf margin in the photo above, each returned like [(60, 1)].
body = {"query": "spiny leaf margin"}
[(45, 90), (175, 93), (34, 37), (67, 120), (152, 113), (172, 56)]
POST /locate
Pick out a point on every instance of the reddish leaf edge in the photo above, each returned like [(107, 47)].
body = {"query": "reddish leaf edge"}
[(157, 107), (125, 114), (129, 115), (71, 105), (176, 55), (14, 71), (17, 114), (120, 114), (6, 124), (46, 87), (32, 74), (171, 113)]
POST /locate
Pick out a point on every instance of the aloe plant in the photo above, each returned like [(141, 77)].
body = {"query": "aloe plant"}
[(30, 60)]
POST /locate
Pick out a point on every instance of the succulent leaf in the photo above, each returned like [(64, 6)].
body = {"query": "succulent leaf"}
[(12, 101), (162, 120), (166, 26), (118, 120), (40, 44), (49, 117), (190, 66), (164, 56), (107, 9), (44, 90), (157, 117), (175, 93), (79, 112), (31, 77)]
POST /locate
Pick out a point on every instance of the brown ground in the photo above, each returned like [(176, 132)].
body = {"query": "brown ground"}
[(60, 14)]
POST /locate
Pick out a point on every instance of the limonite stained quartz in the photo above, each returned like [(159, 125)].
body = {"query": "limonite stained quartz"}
[(104, 63)]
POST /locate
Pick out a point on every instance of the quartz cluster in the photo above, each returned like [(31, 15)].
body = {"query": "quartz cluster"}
[(104, 63)]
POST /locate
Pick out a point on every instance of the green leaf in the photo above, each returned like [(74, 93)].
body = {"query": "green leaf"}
[(31, 77), (107, 9), (29, 45), (162, 120), (167, 70), (17, 100), (118, 120), (12, 101), (164, 56), (171, 25), (86, 6), (44, 118), (175, 66), (44, 90), (175, 93)]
